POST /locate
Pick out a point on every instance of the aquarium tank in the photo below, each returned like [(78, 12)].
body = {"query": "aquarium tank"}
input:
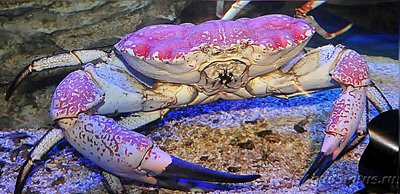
[(172, 96)]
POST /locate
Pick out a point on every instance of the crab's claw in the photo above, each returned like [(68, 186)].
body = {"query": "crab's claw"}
[(351, 71), (132, 155), (340, 131), (182, 175)]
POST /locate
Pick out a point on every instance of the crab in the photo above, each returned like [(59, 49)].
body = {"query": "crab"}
[(163, 67)]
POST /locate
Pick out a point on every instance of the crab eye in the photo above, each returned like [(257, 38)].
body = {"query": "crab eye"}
[(232, 49), (205, 48), (215, 51), (243, 44)]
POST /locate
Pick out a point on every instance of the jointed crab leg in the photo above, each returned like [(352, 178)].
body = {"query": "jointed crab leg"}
[(48, 141), (72, 58), (352, 72), (300, 13), (343, 123), (220, 8), (310, 5), (378, 99), (234, 10), (339, 128)]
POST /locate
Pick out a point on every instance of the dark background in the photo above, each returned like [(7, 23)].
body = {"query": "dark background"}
[(375, 22)]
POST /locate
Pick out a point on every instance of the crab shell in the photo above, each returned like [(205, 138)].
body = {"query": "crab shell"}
[(178, 53)]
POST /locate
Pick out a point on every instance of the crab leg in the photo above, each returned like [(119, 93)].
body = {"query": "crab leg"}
[(73, 58), (48, 141), (44, 145), (235, 9), (310, 5), (351, 71), (220, 8), (342, 125), (116, 148), (378, 99)]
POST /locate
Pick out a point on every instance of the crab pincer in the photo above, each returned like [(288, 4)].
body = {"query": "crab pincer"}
[(352, 72), (132, 155)]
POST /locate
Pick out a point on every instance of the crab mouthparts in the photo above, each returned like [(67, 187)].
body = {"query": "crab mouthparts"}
[(225, 76)]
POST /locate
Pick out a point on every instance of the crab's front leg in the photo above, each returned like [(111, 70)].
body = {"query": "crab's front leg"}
[(327, 67), (131, 155), (116, 148), (342, 126), (106, 89)]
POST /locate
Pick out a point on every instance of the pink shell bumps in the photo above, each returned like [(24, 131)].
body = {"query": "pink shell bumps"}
[(166, 42)]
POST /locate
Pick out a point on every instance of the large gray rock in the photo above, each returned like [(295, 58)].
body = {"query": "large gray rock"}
[(31, 30)]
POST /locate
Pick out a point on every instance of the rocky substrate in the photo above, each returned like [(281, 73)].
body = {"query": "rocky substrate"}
[(276, 138)]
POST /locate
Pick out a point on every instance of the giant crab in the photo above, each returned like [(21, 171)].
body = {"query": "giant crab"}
[(162, 67)]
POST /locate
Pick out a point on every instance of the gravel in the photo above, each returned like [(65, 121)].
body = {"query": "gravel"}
[(253, 136)]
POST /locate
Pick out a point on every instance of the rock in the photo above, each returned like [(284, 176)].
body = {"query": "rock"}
[(233, 169), (299, 129), (264, 133), (59, 180), (248, 144), (33, 30), (203, 158)]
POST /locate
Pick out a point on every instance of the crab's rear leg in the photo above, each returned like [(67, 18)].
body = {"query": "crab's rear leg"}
[(73, 58), (45, 144), (233, 11), (302, 11)]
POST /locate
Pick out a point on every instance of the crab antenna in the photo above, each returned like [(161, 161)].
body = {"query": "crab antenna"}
[(310, 5)]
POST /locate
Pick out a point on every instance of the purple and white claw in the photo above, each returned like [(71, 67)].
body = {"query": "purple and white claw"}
[(132, 155), (351, 71), (75, 94)]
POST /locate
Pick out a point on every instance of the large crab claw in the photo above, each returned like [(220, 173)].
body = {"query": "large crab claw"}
[(132, 155), (342, 125), (351, 70)]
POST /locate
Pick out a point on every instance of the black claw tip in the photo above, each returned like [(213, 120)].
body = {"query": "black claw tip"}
[(185, 170), (25, 72), (304, 178), (191, 185), (325, 164), (318, 167), (23, 174)]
